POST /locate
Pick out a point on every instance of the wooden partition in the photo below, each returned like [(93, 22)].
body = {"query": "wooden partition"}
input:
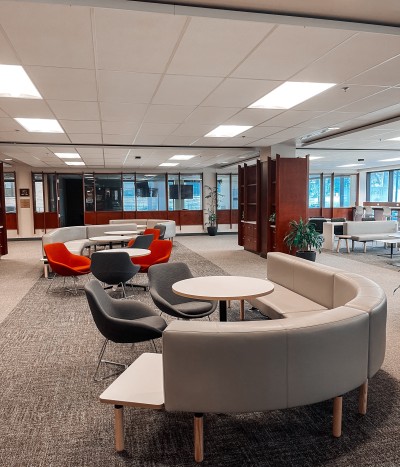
[(3, 227)]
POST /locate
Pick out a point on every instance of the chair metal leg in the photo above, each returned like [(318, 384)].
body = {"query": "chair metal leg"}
[(100, 360), (51, 282), (154, 346)]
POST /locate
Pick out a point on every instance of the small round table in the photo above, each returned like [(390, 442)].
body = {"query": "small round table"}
[(110, 239), (132, 252), (223, 288), (121, 232)]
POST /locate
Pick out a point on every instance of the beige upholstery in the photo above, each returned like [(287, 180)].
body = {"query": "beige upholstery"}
[(311, 354), (369, 231), (170, 231)]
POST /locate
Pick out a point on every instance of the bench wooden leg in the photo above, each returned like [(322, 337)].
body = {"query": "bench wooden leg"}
[(241, 310), (363, 398), (119, 427), (198, 437), (347, 245), (365, 247), (337, 416), (338, 245)]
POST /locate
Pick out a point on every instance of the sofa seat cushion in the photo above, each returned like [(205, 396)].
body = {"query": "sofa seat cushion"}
[(194, 307), (373, 236), (77, 246), (282, 302)]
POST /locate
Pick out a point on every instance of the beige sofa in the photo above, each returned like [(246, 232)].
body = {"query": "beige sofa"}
[(369, 231), (170, 226), (327, 336)]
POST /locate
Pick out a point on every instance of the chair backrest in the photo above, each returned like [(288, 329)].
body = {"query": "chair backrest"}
[(155, 232), (113, 267), (163, 276), (161, 228), (142, 241), (160, 253), (57, 253)]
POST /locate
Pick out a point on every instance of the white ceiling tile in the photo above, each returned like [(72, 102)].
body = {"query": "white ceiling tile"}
[(167, 113), (385, 74), (149, 139), (179, 140), (64, 83), (239, 92), (81, 126), (375, 102), (7, 54), (184, 90), (211, 115), (53, 35), (119, 112), (288, 50), (292, 117), (160, 129), (212, 47), (74, 110), (355, 56), (28, 108), (252, 116), (120, 128), (118, 86), (135, 41), (117, 139), (261, 132), (187, 129), (78, 138), (9, 124)]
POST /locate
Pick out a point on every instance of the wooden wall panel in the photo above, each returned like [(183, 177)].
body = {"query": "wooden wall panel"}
[(191, 217), (90, 218), (11, 221), (51, 220), (3, 229), (38, 220)]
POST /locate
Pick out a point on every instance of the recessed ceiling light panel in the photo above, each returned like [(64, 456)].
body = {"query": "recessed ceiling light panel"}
[(14, 82), (384, 160), (40, 125), (181, 157), (67, 155), (227, 131), (289, 94), (168, 164), (350, 165), (74, 162), (394, 139), (314, 158)]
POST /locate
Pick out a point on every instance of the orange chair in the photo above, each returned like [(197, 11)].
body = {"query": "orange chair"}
[(66, 264), (154, 232), (160, 253)]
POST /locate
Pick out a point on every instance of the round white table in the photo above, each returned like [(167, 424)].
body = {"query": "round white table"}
[(121, 232), (132, 252), (110, 239), (223, 288)]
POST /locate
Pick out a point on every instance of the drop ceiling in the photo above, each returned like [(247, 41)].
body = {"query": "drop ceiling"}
[(131, 87)]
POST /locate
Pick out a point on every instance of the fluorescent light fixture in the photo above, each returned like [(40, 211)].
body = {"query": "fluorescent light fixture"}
[(314, 158), (181, 157), (67, 155), (14, 82), (333, 128), (394, 139), (289, 94), (350, 165), (227, 131), (381, 160), (40, 125), (8, 159), (74, 162), (168, 164)]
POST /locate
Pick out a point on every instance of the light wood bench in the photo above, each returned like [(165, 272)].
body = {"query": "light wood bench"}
[(141, 385)]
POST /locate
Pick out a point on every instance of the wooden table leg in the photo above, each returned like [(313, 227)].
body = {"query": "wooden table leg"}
[(363, 398), (222, 311), (337, 416), (198, 437), (241, 310), (119, 427)]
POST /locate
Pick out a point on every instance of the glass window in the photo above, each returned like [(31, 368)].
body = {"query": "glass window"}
[(128, 189), (235, 192), (314, 191), (150, 192), (51, 192), (89, 192), (224, 190), (39, 195), (9, 191), (344, 191), (108, 192), (378, 186), (327, 191), (185, 192), (396, 186)]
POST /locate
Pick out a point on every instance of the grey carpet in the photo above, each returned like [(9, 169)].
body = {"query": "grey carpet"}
[(51, 415)]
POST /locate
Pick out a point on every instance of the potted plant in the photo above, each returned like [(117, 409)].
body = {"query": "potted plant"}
[(212, 197), (303, 236)]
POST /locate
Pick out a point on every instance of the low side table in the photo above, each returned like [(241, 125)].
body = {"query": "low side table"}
[(340, 238)]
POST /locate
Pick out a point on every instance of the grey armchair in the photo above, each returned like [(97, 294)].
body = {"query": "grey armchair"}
[(161, 278), (113, 268), (121, 321), (142, 241), (162, 228)]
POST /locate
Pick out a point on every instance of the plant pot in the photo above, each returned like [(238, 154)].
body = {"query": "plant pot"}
[(212, 231), (309, 255)]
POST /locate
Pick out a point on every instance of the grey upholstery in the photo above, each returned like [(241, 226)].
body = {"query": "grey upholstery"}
[(121, 321), (113, 268), (162, 228), (143, 241), (161, 278)]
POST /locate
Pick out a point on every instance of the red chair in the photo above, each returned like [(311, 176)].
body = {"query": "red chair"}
[(66, 264), (154, 232), (160, 253)]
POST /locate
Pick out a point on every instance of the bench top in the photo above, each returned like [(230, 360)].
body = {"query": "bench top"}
[(141, 385)]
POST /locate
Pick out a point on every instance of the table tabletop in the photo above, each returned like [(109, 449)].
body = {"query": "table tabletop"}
[(132, 252), (111, 238), (223, 287), (121, 232)]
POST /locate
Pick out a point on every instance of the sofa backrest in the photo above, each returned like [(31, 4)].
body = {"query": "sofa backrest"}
[(98, 230), (360, 227), (129, 221), (264, 365), (65, 234)]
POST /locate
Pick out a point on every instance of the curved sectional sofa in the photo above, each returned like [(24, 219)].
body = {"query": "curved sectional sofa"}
[(327, 336)]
